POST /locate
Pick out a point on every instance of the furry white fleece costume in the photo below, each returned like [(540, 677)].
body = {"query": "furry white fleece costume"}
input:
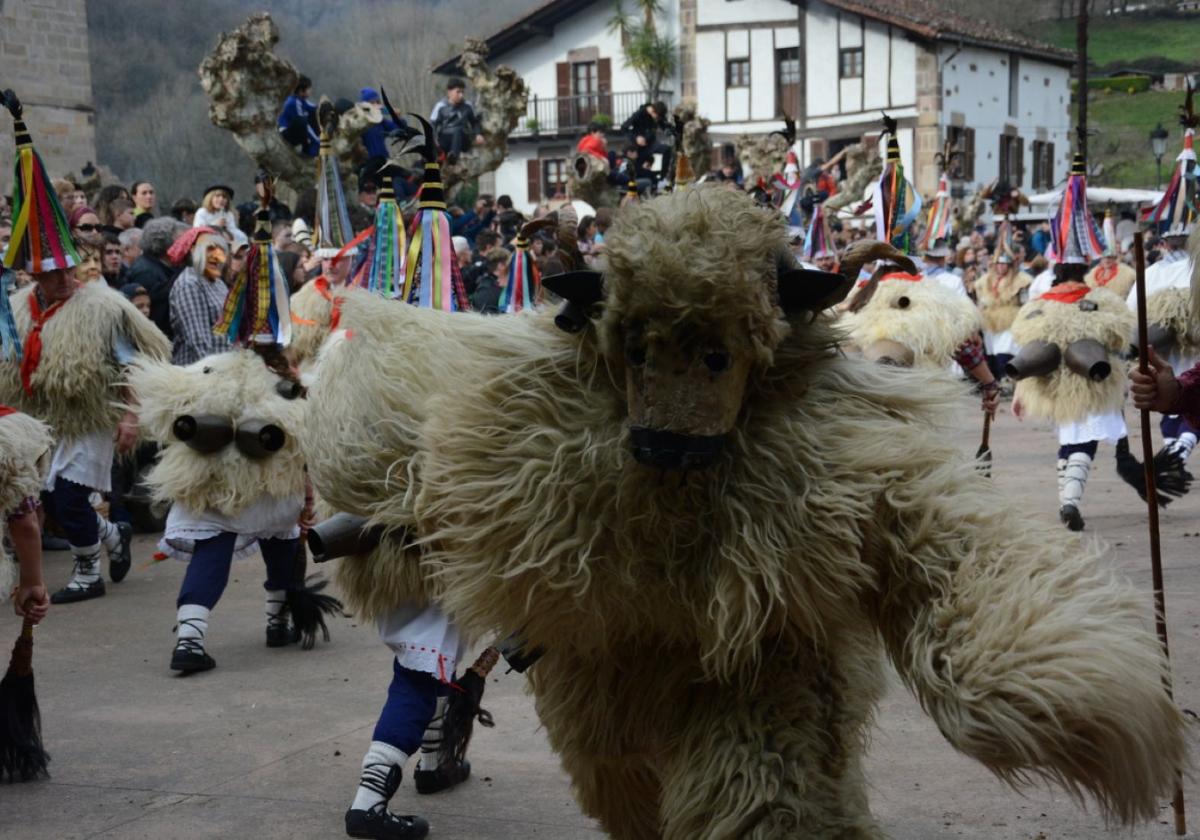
[(25, 446), (85, 344), (714, 638), (233, 471)]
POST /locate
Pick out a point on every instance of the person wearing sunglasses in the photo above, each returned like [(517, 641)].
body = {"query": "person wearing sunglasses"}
[(86, 227)]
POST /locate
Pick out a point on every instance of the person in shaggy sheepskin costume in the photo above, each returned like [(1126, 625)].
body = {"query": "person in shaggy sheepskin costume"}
[(716, 525), (904, 319), (1174, 328), (25, 446), (76, 340), (230, 465)]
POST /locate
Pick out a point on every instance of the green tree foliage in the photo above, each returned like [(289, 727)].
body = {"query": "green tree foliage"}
[(652, 55)]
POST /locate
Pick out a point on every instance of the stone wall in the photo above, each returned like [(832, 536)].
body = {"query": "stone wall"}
[(927, 137), (44, 59)]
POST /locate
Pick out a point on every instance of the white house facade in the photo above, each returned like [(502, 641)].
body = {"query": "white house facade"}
[(833, 65)]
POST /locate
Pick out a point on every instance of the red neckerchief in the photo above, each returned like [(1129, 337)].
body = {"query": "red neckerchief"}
[(901, 275), (6, 410), (1103, 276), (33, 342), (1070, 292)]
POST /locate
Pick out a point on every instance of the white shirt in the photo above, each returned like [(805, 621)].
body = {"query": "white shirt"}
[(423, 639), (271, 517), (1108, 427), (218, 220), (85, 460)]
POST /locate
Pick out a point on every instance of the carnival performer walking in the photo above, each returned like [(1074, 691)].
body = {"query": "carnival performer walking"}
[(76, 340), (231, 465), (1071, 338)]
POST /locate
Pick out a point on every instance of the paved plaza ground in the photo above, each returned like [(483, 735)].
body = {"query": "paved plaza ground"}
[(268, 745)]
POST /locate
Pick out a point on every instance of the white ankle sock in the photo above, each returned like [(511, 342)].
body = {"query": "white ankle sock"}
[(431, 741), (1075, 476), (192, 622), (110, 535), (87, 566), (377, 764), (276, 601), (1183, 445)]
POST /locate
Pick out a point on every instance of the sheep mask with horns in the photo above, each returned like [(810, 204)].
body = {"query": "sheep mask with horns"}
[(715, 525)]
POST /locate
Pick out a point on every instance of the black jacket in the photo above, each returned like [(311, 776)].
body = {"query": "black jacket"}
[(487, 297), (641, 123), (156, 277), (473, 273)]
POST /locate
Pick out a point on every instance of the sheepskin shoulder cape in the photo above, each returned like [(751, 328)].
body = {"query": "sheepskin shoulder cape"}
[(1064, 396), (1118, 282), (924, 316), (360, 435), (76, 384), (312, 309), (236, 386), (1000, 299), (25, 445), (1173, 308)]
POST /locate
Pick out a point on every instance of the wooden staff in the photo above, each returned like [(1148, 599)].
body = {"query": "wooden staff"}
[(984, 455), (1156, 573)]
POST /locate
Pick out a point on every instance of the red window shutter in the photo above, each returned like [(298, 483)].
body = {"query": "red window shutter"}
[(969, 154), (533, 171), (604, 84), (563, 74)]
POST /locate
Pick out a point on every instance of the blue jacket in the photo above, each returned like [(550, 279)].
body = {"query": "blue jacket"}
[(297, 110), (374, 139)]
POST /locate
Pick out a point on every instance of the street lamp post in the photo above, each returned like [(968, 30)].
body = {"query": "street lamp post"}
[(1158, 145)]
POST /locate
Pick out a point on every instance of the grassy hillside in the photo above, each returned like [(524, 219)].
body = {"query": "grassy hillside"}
[(1121, 138), (1128, 39)]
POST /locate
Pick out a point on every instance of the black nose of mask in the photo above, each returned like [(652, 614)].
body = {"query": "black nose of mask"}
[(674, 451)]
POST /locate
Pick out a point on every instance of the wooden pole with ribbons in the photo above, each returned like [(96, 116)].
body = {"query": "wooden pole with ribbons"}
[(1156, 572)]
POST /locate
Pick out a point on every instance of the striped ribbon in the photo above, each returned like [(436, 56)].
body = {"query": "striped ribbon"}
[(1178, 208), (428, 264), (334, 217), (257, 306), (10, 339), (524, 280), (41, 236), (1074, 234)]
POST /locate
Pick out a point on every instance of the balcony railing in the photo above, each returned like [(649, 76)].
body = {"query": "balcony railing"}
[(569, 115)]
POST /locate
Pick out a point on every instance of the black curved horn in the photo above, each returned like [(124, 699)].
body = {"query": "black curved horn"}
[(429, 149)]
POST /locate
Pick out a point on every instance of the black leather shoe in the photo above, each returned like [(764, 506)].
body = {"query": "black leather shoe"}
[(443, 778), (281, 633), (1071, 517), (190, 657), (380, 824), (120, 560), (70, 594)]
